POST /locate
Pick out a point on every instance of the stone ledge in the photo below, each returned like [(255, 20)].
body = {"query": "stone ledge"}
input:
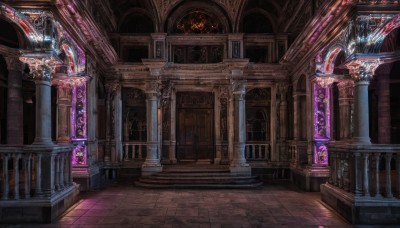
[(38, 210), (362, 210)]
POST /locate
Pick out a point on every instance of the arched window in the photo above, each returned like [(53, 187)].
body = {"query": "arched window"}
[(137, 23), (198, 22), (8, 35), (257, 23)]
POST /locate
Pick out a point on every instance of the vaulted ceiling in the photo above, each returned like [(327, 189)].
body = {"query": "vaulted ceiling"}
[(250, 16)]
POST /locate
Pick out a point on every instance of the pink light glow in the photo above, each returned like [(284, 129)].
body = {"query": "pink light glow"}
[(78, 113), (321, 123), (20, 20), (321, 112), (71, 58), (79, 155), (330, 60)]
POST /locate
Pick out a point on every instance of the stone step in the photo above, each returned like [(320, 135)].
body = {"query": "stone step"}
[(198, 177), (177, 179), (199, 186)]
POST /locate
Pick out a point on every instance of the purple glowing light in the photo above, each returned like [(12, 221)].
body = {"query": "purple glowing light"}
[(321, 112), (78, 114), (322, 121), (79, 155), (320, 154)]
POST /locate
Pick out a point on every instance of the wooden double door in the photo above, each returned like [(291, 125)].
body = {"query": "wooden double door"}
[(195, 131)]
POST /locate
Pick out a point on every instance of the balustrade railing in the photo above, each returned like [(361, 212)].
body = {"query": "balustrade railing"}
[(34, 171), (134, 151), (258, 151), (371, 171)]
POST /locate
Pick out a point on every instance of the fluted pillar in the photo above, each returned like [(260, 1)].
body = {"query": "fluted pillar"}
[(63, 113), (345, 108), (14, 102)]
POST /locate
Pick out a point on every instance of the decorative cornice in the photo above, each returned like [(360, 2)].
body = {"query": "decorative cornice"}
[(76, 16), (323, 28)]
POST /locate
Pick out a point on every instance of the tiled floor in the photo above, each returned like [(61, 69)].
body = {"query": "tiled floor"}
[(269, 206)]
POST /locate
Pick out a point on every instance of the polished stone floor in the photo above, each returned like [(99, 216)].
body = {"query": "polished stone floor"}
[(268, 206)]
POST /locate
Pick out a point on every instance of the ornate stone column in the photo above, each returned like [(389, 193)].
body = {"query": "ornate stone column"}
[(296, 111), (42, 78), (172, 148), (345, 108), (152, 163), (283, 113), (15, 133), (362, 72), (111, 90), (238, 163)]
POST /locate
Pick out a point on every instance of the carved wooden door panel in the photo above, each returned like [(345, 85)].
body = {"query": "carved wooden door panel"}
[(195, 134)]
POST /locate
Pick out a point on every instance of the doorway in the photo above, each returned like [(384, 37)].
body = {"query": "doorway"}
[(195, 128)]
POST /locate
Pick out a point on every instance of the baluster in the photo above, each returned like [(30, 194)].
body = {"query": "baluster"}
[(377, 157), (38, 187), (398, 174), (126, 152), (53, 174), (388, 176), (57, 173), (365, 174), (140, 152), (66, 169), (61, 174), (253, 151), (259, 152), (69, 169), (16, 176), (27, 171), (5, 177)]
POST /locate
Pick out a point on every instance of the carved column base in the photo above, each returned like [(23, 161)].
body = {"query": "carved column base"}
[(361, 140), (42, 141), (242, 169), (150, 167)]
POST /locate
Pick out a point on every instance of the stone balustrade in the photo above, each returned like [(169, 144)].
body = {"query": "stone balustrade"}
[(34, 171), (371, 171), (134, 150), (258, 151)]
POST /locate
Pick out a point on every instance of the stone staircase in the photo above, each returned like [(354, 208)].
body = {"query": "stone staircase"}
[(197, 176)]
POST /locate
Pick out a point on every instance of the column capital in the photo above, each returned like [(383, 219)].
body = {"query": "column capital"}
[(13, 63), (112, 87), (42, 73), (363, 70), (239, 87), (153, 87), (41, 68)]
